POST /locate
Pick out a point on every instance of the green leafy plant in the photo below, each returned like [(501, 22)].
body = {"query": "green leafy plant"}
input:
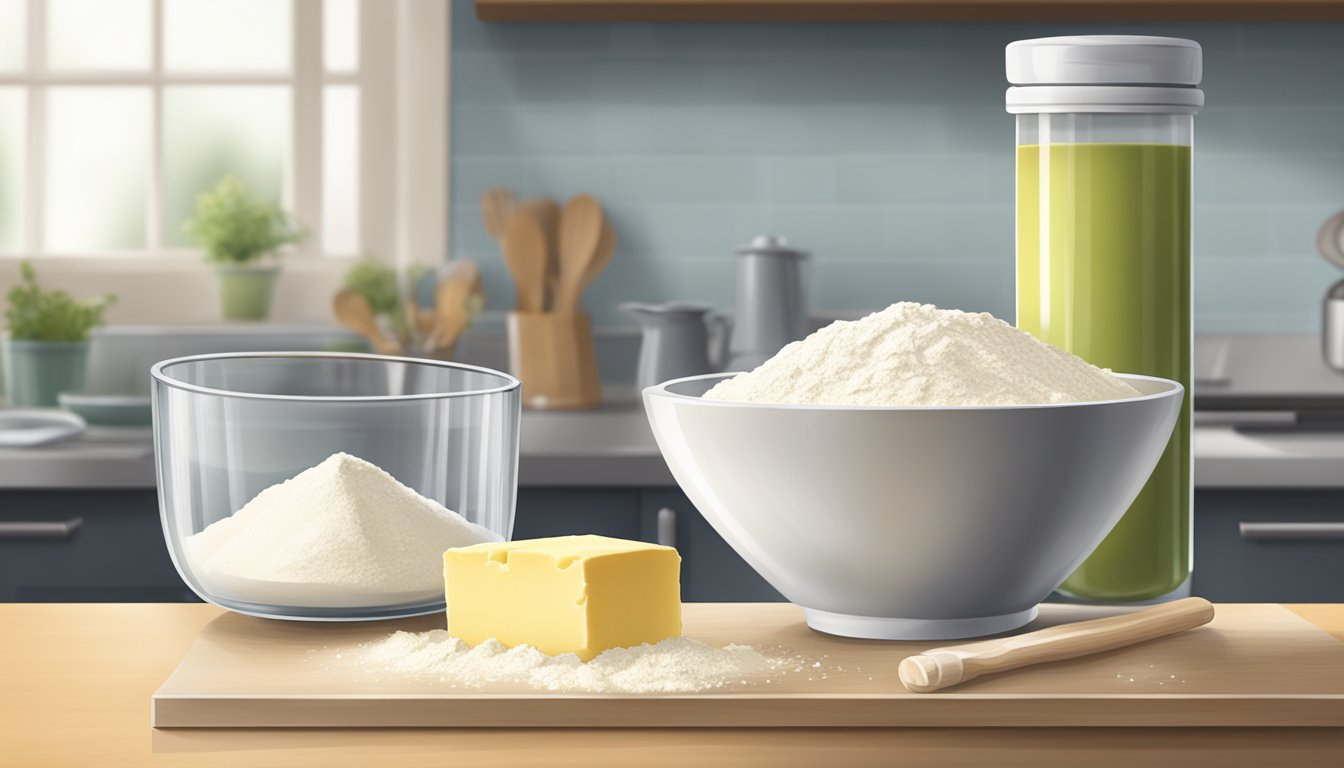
[(236, 228), (377, 283), (38, 315)]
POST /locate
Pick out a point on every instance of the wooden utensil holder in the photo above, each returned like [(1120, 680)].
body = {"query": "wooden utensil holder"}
[(553, 355)]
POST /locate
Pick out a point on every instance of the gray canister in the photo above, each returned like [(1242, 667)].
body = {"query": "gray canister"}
[(1330, 244), (770, 308), (1332, 333)]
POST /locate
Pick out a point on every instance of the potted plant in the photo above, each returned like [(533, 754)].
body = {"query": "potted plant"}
[(377, 283), (241, 236), (47, 345)]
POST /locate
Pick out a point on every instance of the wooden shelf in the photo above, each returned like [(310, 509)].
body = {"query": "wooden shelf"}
[(906, 10)]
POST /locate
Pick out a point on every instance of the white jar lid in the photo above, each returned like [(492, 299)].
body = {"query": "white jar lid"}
[(1104, 73), (1105, 60)]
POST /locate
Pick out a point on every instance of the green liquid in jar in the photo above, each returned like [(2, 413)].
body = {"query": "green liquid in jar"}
[(1103, 271)]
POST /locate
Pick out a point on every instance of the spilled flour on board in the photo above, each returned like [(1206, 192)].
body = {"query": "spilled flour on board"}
[(676, 665)]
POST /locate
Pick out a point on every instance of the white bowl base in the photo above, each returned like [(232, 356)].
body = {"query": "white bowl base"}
[(883, 628)]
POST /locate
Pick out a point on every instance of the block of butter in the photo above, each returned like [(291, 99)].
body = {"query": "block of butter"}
[(568, 594)]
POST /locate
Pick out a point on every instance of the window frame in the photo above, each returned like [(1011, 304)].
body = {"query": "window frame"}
[(402, 77)]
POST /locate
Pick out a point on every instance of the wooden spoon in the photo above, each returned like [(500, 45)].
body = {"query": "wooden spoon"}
[(606, 249), (424, 321), (497, 206), (943, 667), (581, 226), (353, 311), (451, 298), (421, 320), (547, 213), (524, 246)]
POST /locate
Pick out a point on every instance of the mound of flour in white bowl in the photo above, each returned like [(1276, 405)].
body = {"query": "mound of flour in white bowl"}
[(344, 533), (917, 354)]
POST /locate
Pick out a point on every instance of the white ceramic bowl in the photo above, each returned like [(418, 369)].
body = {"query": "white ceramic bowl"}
[(912, 523)]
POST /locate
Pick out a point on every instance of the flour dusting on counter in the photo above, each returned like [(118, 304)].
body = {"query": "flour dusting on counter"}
[(676, 665)]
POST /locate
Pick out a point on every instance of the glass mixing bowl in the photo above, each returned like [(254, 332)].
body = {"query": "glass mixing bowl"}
[(228, 426)]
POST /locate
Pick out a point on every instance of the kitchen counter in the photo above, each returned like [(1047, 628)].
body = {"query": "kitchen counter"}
[(1267, 413), (611, 446), (1267, 457), (1247, 434), (78, 680), (608, 447)]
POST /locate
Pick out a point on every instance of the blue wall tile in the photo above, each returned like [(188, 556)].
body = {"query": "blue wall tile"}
[(883, 149)]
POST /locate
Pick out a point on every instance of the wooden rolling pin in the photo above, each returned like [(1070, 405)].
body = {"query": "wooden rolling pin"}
[(939, 668)]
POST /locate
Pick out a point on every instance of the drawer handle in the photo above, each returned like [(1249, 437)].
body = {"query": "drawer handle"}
[(667, 527), (1311, 531), (41, 530)]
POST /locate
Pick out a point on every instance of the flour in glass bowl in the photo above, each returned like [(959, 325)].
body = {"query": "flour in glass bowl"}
[(344, 533), (918, 355)]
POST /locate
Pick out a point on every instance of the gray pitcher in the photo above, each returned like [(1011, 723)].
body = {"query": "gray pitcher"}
[(676, 341), (770, 310)]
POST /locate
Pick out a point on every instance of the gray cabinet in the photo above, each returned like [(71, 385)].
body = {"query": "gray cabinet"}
[(116, 552), (1274, 557), (85, 546), (566, 511), (113, 550), (710, 570)]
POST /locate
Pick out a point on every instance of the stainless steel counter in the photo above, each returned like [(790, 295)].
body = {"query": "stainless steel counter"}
[(608, 447), (613, 447), (1234, 458), (1268, 413), (101, 458)]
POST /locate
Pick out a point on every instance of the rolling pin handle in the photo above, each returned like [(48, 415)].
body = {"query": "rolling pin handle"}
[(942, 667), (930, 671)]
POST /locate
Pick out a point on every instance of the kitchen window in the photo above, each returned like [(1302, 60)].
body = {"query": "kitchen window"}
[(116, 114)]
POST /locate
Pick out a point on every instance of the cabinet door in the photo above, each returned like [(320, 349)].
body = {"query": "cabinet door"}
[(711, 571), (1269, 546), (85, 546), (545, 512)]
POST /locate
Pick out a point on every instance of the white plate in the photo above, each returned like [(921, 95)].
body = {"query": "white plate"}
[(108, 410), (27, 427)]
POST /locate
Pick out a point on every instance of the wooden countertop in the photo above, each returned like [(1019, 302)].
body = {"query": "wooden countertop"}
[(75, 684)]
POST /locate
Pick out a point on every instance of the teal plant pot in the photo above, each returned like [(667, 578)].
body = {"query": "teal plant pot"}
[(37, 371), (245, 292)]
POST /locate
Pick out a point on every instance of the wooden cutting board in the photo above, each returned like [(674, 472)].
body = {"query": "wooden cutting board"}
[(1255, 665)]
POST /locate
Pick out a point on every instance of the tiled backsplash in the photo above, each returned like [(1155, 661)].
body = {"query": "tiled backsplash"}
[(884, 149)]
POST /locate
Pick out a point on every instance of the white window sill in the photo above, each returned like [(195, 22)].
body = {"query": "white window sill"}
[(173, 290), (169, 263)]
